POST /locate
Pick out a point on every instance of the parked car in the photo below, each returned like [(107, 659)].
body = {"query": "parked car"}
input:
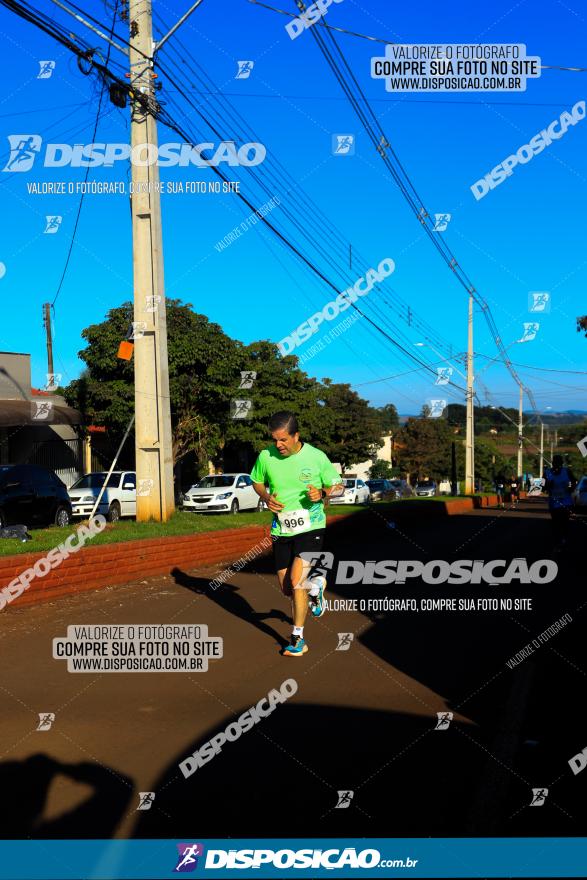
[(355, 492), (221, 493), (32, 495), (381, 490), (425, 488), (580, 496), (401, 488), (119, 497)]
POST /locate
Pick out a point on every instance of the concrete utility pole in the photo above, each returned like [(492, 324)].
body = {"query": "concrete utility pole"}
[(520, 432), (541, 449), (47, 323), (154, 459), (470, 432)]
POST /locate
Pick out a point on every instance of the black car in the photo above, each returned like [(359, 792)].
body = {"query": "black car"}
[(32, 495)]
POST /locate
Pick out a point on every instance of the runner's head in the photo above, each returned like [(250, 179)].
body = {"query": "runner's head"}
[(557, 462), (283, 427)]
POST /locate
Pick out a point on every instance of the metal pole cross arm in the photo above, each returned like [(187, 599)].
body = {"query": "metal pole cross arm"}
[(90, 26), (163, 40)]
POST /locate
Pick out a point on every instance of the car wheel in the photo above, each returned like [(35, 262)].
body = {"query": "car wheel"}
[(113, 514), (356, 499), (62, 517), (234, 506)]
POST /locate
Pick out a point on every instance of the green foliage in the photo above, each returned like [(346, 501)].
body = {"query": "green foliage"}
[(425, 448), (381, 470), (389, 418), (348, 429), (204, 376)]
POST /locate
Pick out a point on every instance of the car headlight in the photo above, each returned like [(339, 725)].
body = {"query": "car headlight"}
[(186, 497), (87, 498), (223, 496)]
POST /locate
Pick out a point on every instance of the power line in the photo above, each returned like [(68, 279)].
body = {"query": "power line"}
[(361, 105), (81, 201), (331, 27)]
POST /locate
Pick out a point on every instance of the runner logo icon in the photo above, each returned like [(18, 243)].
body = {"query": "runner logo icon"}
[(188, 856), (23, 151)]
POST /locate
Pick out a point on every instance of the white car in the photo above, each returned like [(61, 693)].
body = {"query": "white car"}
[(119, 497), (222, 493), (355, 492)]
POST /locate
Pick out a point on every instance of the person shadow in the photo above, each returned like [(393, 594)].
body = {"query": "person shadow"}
[(229, 598), (97, 817)]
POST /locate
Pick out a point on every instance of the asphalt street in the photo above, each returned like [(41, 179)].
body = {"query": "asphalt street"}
[(363, 720)]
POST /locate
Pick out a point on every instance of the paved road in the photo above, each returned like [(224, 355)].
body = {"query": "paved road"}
[(362, 720)]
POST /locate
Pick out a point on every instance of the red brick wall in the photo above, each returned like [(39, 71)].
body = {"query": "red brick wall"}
[(115, 564), (112, 564)]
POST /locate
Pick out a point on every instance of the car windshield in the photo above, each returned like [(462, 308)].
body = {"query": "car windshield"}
[(218, 481), (350, 484), (96, 481), (376, 484), (426, 484)]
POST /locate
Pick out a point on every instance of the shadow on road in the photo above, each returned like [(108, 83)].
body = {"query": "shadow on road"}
[(25, 789), (229, 598)]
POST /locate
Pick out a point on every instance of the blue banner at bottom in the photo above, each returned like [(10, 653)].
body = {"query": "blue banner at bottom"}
[(270, 858)]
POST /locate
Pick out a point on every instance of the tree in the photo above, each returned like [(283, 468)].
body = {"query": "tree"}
[(388, 417), (348, 429), (425, 448), (582, 324), (381, 470), (203, 374)]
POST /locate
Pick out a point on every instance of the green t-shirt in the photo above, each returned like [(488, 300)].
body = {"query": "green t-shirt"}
[(288, 477)]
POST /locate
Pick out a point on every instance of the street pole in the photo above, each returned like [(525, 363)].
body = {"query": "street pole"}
[(541, 449), (520, 430), (470, 432), (47, 323), (153, 440)]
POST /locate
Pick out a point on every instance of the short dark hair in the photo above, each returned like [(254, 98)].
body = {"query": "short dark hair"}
[(557, 461), (284, 420)]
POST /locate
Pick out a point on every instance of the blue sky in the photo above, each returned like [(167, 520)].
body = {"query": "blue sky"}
[(528, 234)]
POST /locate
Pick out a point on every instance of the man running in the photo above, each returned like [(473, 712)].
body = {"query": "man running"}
[(560, 483), (299, 477)]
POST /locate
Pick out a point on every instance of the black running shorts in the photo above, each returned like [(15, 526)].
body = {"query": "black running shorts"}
[(285, 549)]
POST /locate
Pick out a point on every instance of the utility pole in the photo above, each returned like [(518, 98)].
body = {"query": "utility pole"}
[(47, 323), (541, 449), (520, 434), (470, 432), (153, 443)]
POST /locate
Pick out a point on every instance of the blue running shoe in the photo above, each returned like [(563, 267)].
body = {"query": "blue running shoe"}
[(316, 603), (296, 647)]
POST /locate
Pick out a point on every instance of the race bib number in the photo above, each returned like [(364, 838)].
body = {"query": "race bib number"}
[(294, 521)]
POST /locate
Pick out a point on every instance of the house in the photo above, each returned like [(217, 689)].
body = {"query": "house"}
[(384, 453), (37, 426)]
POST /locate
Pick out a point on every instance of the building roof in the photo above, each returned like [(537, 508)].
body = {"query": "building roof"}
[(14, 413)]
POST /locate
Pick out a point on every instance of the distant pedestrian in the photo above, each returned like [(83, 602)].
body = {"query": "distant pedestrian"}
[(500, 490), (515, 490), (560, 483)]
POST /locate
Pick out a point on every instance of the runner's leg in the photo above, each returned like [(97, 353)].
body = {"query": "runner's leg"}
[(299, 571)]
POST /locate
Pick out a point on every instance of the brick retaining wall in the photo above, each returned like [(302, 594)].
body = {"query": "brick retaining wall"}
[(117, 564)]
